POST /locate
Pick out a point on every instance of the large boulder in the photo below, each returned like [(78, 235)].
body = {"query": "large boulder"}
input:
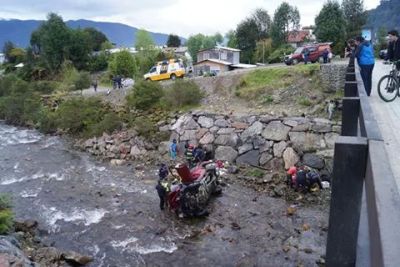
[(313, 161), (245, 148), (227, 140), (255, 129), (279, 148), (226, 131), (163, 147), (200, 133), (221, 123), (208, 138), (239, 125), (290, 157), (264, 158), (226, 153), (188, 135), (250, 158), (76, 258), (330, 139), (205, 122), (191, 124), (276, 131), (306, 141), (258, 141)]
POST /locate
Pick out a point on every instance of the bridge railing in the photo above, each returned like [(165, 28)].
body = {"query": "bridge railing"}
[(364, 221)]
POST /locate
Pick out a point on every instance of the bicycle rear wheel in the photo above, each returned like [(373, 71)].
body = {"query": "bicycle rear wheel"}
[(388, 88)]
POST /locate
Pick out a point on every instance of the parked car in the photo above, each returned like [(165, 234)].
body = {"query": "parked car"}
[(168, 69), (316, 51), (383, 53), (128, 82)]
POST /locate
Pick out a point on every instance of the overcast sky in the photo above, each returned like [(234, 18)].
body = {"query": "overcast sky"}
[(183, 17)]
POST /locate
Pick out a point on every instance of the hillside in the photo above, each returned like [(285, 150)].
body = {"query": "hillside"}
[(19, 31), (386, 15)]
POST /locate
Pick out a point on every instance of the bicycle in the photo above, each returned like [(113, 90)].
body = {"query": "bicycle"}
[(388, 85)]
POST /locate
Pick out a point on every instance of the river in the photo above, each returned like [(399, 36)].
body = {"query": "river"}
[(112, 214)]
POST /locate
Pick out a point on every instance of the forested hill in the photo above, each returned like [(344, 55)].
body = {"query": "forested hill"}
[(386, 15), (19, 31)]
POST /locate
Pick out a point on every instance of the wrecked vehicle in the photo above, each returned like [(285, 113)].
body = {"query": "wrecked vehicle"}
[(188, 195)]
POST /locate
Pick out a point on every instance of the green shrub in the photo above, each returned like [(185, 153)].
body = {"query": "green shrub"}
[(145, 95), (6, 214), (82, 81), (182, 93), (304, 101), (44, 87), (48, 121), (108, 124), (279, 53), (98, 63), (145, 127)]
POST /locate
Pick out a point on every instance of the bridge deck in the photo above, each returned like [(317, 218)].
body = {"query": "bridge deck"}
[(387, 116)]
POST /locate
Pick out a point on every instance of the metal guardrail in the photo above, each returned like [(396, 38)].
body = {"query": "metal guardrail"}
[(364, 221)]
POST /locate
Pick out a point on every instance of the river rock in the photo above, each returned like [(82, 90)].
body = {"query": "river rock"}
[(11, 254), (302, 127), (337, 129), (250, 158), (266, 146), (136, 151), (279, 148), (117, 162), (227, 140), (90, 142), (27, 226), (255, 129), (274, 164), (178, 125), (290, 157), (226, 131), (208, 138), (330, 139), (276, 131), (205, 122), (328, 153), (305, 141), (313, 161), (226, 153), (163, 147), (124, 148), (164, 128), (214, 129), (264, 158), (76, 258), (114, 149), (222, 123), (245, 148), (267, 118), (320, 127)]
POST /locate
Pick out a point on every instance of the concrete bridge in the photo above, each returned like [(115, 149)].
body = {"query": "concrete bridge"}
[(364, 223)]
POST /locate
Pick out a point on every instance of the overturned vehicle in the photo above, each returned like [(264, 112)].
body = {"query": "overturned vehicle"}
[(188, 194)]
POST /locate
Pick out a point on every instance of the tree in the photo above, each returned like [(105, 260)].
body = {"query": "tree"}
[(51, 40), (96, 38), (263, 50), (355, 17), (263, 22), (144, 41), (79, 48), (286, 19), (232, 41), (173, 41), (330, 25), (246, 36), (82, 81), (123, 63), (199, 41), (7, 48)]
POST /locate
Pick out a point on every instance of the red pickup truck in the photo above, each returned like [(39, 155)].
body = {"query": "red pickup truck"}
[(315, 53)]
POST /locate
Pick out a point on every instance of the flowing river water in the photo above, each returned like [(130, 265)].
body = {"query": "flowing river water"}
[(112, 213)]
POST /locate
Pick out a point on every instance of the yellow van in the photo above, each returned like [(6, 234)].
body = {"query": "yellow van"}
[(168, 69)]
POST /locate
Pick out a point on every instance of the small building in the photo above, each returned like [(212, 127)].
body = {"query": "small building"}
[(178, 51), (216, 60), (298, 38)]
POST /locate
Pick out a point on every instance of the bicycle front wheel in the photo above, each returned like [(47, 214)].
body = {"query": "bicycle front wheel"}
[(388, 88)]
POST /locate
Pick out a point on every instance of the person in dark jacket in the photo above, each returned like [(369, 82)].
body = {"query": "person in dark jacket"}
[(366, 61), (393, 52), (162, 184)]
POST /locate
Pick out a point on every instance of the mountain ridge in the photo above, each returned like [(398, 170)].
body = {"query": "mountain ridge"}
[(19, 31)]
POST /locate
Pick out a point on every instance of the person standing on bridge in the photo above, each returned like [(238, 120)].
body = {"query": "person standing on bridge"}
[(366, 61), (393, 53)]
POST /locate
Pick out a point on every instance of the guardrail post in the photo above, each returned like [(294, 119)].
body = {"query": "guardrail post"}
[(350, 114), (350, 89), (347, 185), (350, 77)]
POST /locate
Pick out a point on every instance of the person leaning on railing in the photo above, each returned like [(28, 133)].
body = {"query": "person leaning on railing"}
[(366, 61), (393, 53)]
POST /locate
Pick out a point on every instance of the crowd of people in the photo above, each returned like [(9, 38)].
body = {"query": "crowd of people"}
[(363, 51)]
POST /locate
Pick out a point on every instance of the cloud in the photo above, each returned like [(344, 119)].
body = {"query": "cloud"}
[(183, 17)]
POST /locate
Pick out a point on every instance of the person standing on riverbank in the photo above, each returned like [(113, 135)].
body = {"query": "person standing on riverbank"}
[(173, 150), (366, 61), (95, 85)]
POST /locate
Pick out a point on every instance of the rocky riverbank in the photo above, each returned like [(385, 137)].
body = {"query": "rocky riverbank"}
[(23, 248)]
